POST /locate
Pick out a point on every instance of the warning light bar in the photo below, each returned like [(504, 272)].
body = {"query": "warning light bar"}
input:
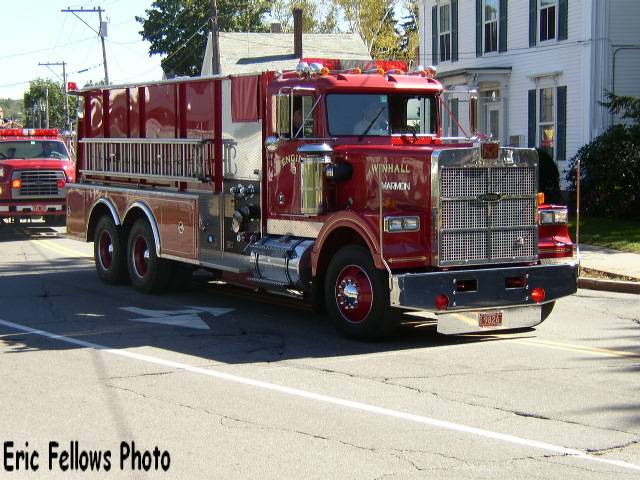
[(29, 132)]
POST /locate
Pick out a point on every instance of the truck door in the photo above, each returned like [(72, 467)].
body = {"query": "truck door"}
[(295, 124)]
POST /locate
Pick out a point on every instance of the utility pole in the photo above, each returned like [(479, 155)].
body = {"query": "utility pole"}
[(46, 106), (215, 40), (67, 125), (102, 32)]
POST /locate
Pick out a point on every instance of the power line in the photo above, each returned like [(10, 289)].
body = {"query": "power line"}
[(29, 52), (102, 32)]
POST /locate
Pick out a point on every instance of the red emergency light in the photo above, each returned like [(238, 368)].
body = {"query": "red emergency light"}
[(330, 63), (29, 132), (72, 87)]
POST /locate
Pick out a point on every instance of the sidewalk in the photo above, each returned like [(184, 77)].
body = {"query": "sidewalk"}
[(612, 262)]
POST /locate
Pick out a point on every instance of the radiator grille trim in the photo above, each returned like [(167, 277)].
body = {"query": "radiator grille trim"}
[(485, 212), (38, 184)]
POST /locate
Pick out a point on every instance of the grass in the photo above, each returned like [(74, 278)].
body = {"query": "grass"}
[(616, 233)]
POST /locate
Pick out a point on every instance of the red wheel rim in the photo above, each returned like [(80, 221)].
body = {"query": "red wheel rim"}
[(105, 250), (140, 256), (354, 294)]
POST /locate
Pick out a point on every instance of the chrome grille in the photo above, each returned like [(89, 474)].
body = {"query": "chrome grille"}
[(40, 183), (476, 228)]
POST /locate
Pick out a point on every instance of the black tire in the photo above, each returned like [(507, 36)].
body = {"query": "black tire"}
[(357, 296), (148, 273), (109, 252), (546, 310)]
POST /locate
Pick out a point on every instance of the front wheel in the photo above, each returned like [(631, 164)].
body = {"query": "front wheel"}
[(148, 272), (357, 296)]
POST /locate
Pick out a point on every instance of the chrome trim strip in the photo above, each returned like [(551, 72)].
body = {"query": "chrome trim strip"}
[(152, 221), (297, 228), (104, 173), (152, 193), (148, 141), (112, 208)]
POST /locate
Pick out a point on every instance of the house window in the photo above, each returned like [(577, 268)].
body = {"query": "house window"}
[(490, 26), (546, 124), (445, 32), (547, 19)]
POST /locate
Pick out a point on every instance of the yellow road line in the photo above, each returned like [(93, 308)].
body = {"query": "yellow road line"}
[(54, 247), (579, 348)]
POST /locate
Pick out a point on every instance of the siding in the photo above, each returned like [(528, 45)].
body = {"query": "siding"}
[(572, 58)]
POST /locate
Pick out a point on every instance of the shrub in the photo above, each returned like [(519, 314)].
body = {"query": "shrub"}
[(548, 177), (610, 173), (610, 165)]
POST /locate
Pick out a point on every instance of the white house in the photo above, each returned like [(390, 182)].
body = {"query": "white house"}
[(541, 67)]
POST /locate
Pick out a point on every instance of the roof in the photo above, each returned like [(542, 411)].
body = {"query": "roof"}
[(365, 82), (257, 52)]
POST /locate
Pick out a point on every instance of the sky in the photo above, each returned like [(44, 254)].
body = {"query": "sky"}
[(36, 31)]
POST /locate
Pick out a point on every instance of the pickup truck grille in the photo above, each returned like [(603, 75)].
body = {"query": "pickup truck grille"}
[(487, 214), (39, 183)]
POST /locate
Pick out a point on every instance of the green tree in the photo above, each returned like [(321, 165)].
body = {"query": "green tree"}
[(47, 95), (374, 21), (178, 29), (317, 17), (409, 36)]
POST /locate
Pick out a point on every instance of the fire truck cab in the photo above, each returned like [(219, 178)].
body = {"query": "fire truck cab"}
[(35, 167), (334, 187)]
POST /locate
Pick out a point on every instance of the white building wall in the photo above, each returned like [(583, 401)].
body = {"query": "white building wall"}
[(555, 63)]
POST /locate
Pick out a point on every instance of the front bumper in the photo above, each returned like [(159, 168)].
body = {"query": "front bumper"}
[(32, 208), (488, 290)]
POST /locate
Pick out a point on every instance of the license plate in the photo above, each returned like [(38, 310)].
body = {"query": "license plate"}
[(490, 319), (39, 208)]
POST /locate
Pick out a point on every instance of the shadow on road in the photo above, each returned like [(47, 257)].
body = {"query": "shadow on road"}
[(65, 297)]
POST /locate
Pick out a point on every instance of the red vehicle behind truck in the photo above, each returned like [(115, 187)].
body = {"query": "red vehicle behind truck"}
[(337, 188), (35, 167)]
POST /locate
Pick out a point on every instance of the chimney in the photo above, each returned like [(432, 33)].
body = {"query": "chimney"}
[(297, 32), (276, 27)]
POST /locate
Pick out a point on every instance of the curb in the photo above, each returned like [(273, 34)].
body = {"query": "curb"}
[(609, 285)]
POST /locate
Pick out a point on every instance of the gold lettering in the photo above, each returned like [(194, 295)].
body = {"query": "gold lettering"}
[(389, 168)]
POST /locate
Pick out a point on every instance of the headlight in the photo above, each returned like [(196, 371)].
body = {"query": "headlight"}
[(401, 224), (554, 217), (2, 172)]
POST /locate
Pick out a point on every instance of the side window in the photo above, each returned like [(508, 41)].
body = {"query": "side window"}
[(303, 124), (283, 115)]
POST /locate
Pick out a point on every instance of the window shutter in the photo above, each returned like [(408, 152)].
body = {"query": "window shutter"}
[(563, 19), (434, 35), (454, 30), (532, 119), (561, 123), (454, 112), (478, 28), (502, 42), (533, 22)]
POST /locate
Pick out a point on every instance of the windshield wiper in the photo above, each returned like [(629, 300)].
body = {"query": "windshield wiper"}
[(371, 124)]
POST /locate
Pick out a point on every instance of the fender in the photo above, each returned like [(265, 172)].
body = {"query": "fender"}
[(152, 221), (354, 222), (115, 216)]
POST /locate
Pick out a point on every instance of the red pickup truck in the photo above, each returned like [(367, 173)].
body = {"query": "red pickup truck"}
[(35, 167)]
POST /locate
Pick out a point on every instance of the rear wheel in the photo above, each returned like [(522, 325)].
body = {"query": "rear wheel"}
[(148, 272), (357, 295), (109, 252)]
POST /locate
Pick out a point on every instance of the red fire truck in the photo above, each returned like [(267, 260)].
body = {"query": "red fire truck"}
[(34, 168), (337, 188)]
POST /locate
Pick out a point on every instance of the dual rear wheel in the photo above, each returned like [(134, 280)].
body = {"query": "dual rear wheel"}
[(134, 258)]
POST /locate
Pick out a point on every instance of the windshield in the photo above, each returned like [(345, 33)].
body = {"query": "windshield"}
[(24, 149), (381, 114)]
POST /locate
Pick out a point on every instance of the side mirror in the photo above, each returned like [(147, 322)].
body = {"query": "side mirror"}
[(272, 143)]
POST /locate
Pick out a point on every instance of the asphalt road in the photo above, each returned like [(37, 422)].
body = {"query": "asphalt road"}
[(237, 385)]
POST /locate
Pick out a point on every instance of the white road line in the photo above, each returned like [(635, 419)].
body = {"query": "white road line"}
[(328, 399)]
